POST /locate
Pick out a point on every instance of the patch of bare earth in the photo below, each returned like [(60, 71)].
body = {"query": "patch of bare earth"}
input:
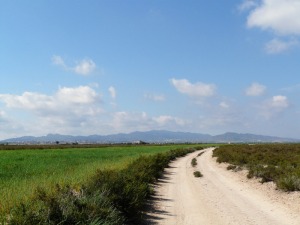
[(219, 197)]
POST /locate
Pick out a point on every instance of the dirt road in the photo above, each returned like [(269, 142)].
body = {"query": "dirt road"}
[(219, 197)]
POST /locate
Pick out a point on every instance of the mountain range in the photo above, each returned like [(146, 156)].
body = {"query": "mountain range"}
[(154, 136)]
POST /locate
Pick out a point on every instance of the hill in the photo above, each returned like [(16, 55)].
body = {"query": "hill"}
[(154, 136)]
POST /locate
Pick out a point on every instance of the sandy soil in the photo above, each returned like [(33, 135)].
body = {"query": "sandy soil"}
[(219, 197)]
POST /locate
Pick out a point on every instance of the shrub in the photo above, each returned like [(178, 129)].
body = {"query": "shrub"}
[(194, 162), (231, 167), (198, 174), (67, 207), (266, 173), (289, 183), (200, 154)]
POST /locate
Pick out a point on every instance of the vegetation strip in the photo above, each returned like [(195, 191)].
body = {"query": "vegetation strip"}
[(279, 163), (25, 169), (110, 197)]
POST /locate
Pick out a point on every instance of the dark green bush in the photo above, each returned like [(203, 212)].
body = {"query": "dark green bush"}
[(194, 162), (200, 154), (231, 167), (198, 174)]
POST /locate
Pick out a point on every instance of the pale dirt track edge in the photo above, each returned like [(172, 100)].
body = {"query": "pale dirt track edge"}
[(219, 197)]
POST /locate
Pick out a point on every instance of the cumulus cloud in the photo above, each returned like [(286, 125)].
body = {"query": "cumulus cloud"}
[(112, 92), (80, 100), (193, 90), (83, 67), (74, 110), (255, 89), (70, 110), (155, 97), (277, 46), (281, 16)]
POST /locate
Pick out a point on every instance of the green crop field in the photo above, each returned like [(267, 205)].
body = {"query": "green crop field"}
[(22, 171), (279, 163)]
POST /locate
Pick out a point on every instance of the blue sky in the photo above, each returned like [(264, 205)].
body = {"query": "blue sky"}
[(103, 67)]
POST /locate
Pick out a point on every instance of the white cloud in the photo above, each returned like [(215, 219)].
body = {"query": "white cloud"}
[(83, 67), (220, 121), (81, 100), (193, 90), (274, 106), (255, 89), (9, 128), (73, 110), (140, 121), (2, 114), (28, 101), (70, 110), (293, 88), (279, 101), (281, 16), (224, 105), (3, 118), (163, 120), (247, 4), (130, 121), (78, 95), (112, 92), (277, 46), (155, 97), (58, 60)]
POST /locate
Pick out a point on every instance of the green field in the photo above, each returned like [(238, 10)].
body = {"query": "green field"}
[(22, 171), (279, 163)]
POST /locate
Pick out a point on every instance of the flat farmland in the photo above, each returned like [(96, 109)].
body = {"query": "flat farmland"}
[(23, 170)]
